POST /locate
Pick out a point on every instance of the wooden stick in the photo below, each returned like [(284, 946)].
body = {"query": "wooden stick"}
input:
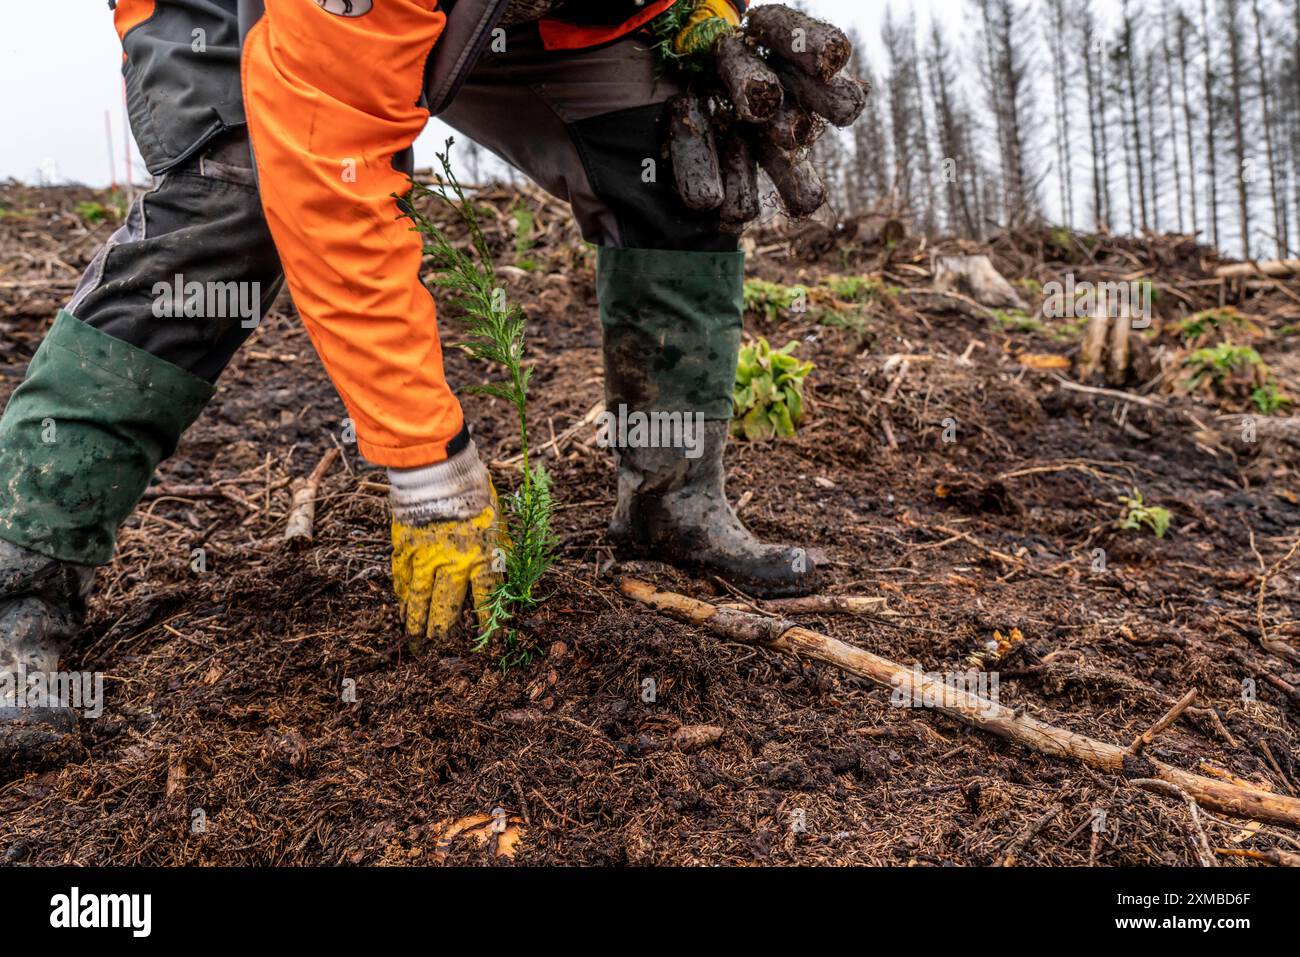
[(1169, 717), (824, 605), (1277, 857), (1022, 840), (989, 716), (302, 514)]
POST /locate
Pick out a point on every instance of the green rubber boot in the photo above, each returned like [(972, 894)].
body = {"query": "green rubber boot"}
[(671, 324), (79, 442)]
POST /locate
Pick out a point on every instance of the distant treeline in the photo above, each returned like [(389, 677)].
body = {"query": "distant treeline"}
[(1172, 115)]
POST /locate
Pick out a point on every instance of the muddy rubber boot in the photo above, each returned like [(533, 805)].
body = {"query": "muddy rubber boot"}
[(671, 323), (675, 509), (42, 604)]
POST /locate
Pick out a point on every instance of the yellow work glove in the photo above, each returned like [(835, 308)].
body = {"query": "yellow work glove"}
[(446, 542), (710, 20)]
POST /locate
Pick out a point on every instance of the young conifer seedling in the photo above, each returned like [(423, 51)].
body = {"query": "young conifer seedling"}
[(494, 333)]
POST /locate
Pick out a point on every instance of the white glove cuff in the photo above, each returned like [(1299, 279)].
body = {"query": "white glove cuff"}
[(455, 490)]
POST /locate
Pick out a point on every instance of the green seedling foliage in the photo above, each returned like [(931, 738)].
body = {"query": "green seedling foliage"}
[(92, 212), (768, 395), (860, 289), (494, 333), (1139, 515), (1219, 362), (770, 299), (1268, 400), (664, 30), (1014, 320), (1223, 324)]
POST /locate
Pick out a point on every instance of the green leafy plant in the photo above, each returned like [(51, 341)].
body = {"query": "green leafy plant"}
[(770, 299), (1016, 320), (92, 212), (768, 395), (1201, 328), (495, 334), (859, 289), (1216, 364), (1139, 515), (1268, 399)]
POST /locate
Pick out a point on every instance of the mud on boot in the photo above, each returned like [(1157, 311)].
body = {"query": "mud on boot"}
[(42, 604), (674, 508)]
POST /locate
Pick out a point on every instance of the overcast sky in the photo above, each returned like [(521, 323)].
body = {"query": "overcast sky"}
[(60, 67)]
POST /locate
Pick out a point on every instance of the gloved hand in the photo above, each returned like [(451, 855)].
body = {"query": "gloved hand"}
[(710, 20), (446, 538)]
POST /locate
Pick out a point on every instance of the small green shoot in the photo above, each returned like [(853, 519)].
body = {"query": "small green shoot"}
[(1139, 515), (768, 396)]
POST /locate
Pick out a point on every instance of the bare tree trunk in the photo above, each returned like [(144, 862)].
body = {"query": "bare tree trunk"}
[(1183, 25), (1265, 103), (1056, 43), (1153, 142), (1173, 112), (1135, 127), (1087, 40), (1212, 174), (1231, 30)]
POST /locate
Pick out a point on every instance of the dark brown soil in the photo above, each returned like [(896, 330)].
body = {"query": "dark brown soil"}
[(224, 687)]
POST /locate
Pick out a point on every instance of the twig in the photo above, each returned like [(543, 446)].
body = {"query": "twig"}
[(1169, 717), (302, 514), (1274, 645), (1028, 834), (1109, 393), (1202, 844), (1278, 858), (824, 605)]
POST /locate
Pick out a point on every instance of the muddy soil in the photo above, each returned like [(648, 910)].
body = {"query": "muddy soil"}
[(265, 710)]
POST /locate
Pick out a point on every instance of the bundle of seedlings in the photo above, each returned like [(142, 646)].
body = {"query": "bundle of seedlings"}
[(772, 87), (495, 334)]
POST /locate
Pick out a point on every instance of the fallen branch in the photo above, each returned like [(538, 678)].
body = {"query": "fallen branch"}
[(302, 514), (826, 605), (1278, 858), (788, 638)]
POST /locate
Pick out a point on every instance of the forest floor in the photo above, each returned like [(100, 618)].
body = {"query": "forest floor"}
[(944, 463)]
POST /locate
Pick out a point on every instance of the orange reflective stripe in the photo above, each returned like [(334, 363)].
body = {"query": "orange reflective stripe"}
[(330, 101), (558, 35)]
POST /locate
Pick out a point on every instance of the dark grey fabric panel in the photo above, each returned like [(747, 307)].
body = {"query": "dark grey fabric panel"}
[(182, 79), (586, 126), (201, 229)]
